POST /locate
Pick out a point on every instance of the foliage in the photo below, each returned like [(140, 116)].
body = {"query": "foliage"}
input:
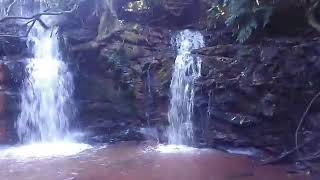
[(137, 5), (244, 15), (60, 4)]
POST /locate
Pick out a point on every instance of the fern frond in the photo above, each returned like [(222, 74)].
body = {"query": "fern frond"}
[(247, 16)]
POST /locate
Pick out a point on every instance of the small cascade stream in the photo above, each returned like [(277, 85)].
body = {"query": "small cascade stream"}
[(187, 69)]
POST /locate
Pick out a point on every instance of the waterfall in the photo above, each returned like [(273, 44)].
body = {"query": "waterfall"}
[(46, 105), (187, 69), (46, 95)]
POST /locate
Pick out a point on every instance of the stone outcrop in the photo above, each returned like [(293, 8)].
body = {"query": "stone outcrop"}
[(249, 95), (255, 94)]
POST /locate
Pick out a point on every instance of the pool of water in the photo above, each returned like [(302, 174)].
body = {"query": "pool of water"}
[(141, 161)]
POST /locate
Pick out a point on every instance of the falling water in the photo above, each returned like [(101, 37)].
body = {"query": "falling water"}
[(46, 96), (186, 71), (149, 100), (47, 92), (47, 106)]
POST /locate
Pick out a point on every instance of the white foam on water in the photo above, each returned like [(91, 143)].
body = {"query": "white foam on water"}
[(171, 148), (43, 150)]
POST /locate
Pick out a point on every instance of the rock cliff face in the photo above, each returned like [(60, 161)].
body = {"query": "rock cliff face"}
[(249, 95), (123, 81)]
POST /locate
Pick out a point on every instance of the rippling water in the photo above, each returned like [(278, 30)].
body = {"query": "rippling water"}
[(132, 161)]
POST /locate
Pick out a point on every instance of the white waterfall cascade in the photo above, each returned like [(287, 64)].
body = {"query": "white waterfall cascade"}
[(47, 106), (46, 97), (187, 70)]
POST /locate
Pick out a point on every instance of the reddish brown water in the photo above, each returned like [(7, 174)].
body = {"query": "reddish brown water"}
[(130, 161)]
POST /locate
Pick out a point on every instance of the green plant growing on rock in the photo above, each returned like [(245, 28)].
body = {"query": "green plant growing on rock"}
[(244, 15)]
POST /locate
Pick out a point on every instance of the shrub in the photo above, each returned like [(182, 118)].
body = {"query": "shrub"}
[(244, 15)]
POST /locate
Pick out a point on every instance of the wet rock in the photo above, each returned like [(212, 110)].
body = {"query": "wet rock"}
[(256, 86), (151, 134), (268, 54), (9, 98), (248, 95)]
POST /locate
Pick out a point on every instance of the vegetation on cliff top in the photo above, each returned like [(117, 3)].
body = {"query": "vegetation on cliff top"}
[(245, 16)]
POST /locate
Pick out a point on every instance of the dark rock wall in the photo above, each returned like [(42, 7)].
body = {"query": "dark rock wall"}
[(249, 95), (255, 94), (123, 84), (126, 82), (11, 74)]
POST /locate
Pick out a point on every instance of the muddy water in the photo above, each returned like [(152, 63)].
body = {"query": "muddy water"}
[(131, 161)]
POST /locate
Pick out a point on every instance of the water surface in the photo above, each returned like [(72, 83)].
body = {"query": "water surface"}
[(133, 161)]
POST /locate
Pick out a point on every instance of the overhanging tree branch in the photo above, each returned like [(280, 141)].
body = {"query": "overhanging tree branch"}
[(37, 17), (10, 7)]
